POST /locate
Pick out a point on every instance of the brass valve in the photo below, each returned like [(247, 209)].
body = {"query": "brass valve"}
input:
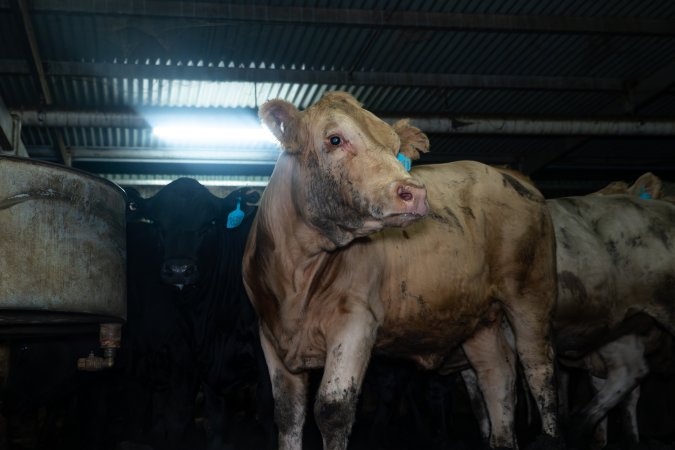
[(110, 335)]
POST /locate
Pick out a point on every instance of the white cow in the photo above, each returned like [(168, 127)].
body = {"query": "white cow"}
[(616, 299), (332, 279), (617, 367)]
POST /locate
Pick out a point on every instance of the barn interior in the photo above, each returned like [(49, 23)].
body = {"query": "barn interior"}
[(574, 94)]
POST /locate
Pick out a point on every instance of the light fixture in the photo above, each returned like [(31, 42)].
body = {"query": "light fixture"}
[(212, 134)]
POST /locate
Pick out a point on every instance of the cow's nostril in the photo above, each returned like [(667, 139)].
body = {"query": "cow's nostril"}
[(180, 273), (404, 195)]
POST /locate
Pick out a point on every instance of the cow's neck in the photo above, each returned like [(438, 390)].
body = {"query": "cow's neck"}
[(294, 252), (286, 225)]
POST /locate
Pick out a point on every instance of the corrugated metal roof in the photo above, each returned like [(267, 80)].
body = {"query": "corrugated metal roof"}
[(167, 43), (172, 42)]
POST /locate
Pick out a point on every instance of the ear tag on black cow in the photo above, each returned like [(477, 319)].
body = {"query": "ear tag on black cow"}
[(235, 218), (407, 162)]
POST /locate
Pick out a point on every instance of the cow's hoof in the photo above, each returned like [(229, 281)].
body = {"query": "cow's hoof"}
[(545, 442), (579, 433), (127, 445)]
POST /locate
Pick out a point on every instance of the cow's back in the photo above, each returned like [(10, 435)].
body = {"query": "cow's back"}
[(615, 258)]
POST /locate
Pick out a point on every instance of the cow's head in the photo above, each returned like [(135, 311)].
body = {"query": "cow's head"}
[(189, 223), (647, 186), (347, 181)]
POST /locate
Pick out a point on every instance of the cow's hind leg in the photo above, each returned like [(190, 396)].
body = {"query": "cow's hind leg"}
[(599, 438), (493, 361), (629, 415), (627, 409), (347, 356), (625, 367), (477, 402), (290, 398)]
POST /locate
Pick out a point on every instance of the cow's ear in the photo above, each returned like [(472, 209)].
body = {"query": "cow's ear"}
[(252, 197), (246, 197), (135, 205), (282, 118), (647, 186), (230, 201), (413, 140)]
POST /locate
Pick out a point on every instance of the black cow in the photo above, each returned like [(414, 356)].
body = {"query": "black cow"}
[(190, 327)]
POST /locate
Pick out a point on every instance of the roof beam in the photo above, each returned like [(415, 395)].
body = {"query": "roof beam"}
[(482, 125), (214, 155), (6, 128), (85, 119), (360, 17), (646, 91), (10, 133), (329, 77), (510, 125), (257, 157), (36, 67), (643, 93)]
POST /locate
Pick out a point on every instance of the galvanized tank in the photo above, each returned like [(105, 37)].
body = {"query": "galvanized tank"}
[(62, 246)]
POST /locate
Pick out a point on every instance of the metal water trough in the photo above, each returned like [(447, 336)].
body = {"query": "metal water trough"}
[(62, 248)]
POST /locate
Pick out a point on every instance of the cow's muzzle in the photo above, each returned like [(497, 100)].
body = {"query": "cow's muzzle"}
[(179, 272), (408, 203), (412, 197)]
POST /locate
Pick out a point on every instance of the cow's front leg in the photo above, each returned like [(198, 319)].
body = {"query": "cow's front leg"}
[(290, 398), (494, 363), (347, 355), (533, 345)]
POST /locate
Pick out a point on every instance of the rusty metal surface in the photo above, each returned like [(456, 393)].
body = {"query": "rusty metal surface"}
[(62, 245)]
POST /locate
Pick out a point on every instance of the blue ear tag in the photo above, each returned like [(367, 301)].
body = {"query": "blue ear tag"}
[(644, 194), (235, 218), (404, 160)]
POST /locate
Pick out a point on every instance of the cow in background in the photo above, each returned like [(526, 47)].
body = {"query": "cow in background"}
[(333, 279), (190, 325), (620, 359), (632, 240), (615, 316)]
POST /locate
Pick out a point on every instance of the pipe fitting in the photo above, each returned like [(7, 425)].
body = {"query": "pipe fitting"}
[(110, 336), (93, 363)]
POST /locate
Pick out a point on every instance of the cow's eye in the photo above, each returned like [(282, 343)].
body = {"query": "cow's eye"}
[(133, 206), (335, 140)]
